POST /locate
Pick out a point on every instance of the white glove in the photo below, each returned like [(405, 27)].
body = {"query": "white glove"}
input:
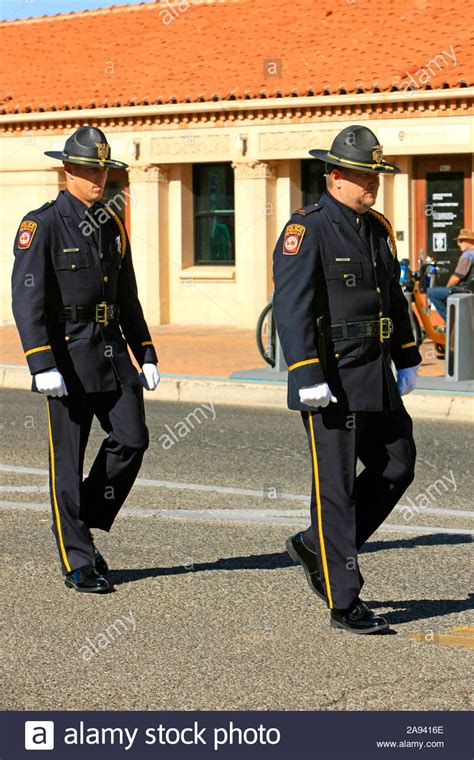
[(149, 376), (317, 395), (51, 382), (406, 380)]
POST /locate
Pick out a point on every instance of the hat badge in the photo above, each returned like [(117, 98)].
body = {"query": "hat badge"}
[(377, 154), (102, 151)]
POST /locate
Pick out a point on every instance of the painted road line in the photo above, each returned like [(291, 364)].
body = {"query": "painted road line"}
[(229, 491), (21, 469), (454, 637), (260, 516), (24, 489)]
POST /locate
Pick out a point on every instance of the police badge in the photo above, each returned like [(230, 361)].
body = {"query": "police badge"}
[(102, 151), (377, 154)]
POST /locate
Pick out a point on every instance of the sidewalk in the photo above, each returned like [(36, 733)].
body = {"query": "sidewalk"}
[(200, 350), (197, 362)]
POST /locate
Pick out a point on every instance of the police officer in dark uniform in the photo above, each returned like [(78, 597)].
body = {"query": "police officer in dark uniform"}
[(342, 319), (76, 307)]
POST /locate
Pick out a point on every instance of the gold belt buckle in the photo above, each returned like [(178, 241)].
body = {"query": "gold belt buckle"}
[(101, 314), (385, 328)]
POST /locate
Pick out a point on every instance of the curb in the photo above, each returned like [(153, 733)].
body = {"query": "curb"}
[(198, 390)]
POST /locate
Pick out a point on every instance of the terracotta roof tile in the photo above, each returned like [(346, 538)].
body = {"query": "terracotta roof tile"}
[(220, 49)]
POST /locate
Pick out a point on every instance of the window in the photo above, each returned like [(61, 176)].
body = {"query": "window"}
[(312, 180), (214, 230)]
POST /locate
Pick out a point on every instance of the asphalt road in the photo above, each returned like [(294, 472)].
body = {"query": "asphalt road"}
[(209, 611)]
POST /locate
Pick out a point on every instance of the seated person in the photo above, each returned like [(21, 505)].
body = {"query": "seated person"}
[(463, 278)]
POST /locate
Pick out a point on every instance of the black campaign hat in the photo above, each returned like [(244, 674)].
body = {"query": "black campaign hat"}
[(356, 147), (87, 146)]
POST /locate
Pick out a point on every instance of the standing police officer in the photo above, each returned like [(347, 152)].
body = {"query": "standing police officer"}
[(342, 318), (76, 307)]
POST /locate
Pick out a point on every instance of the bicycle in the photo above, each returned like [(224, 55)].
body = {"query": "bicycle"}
[(266, 335), (415, 284)]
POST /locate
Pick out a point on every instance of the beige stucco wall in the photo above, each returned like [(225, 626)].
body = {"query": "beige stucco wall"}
[(266, 161)]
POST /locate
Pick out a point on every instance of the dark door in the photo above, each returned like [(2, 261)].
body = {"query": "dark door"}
[(442, 207)]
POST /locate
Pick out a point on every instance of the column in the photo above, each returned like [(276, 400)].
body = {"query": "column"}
[(380, 203), (255, 236), (289, 196), (149, 239), (21, 191), (402, 215)]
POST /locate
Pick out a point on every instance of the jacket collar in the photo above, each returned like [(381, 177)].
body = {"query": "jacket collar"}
[(335, 209), (74, 218), (69, 205), (345, 228)]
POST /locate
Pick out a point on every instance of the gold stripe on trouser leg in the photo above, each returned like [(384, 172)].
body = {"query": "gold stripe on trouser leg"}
[(319, 511), (53, 489)]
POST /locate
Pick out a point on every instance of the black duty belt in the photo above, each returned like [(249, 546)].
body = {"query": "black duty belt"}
[(375, 328), (102, 313)]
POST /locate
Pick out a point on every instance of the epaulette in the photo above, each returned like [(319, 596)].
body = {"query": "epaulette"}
[(120, 225), (44, 207), (307, 209), (383, 220)]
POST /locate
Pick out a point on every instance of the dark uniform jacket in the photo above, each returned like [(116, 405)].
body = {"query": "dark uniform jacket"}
[(58, 264), (323, 267)]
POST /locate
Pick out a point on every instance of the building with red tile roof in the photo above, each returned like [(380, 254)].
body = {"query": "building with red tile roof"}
[(215, 104), (163, 53)]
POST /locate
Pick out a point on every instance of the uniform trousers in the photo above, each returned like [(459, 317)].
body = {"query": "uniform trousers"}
[(79, 505), (347, 508)]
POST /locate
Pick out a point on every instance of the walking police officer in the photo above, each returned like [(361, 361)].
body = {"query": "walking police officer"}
[(342, 318), (76, 307)]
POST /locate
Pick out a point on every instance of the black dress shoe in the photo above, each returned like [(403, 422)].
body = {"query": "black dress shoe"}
[(100, 563), (87, 579), (358, 619), (308, 561)]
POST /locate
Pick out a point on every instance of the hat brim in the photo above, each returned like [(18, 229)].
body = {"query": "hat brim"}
[(378, 168), (109, 163)]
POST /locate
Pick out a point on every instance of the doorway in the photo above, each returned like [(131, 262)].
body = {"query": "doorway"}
[(443, 205)]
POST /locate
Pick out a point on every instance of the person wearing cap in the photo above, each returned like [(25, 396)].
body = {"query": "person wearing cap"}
[(342, 319), (462, 281), (76, 307)]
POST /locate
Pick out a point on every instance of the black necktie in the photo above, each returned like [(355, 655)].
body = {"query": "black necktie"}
[(95, 210), (364, 231)]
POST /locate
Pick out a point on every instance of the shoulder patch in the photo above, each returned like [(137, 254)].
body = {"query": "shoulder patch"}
[(391, 242), (294, 234), (26, 233)]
